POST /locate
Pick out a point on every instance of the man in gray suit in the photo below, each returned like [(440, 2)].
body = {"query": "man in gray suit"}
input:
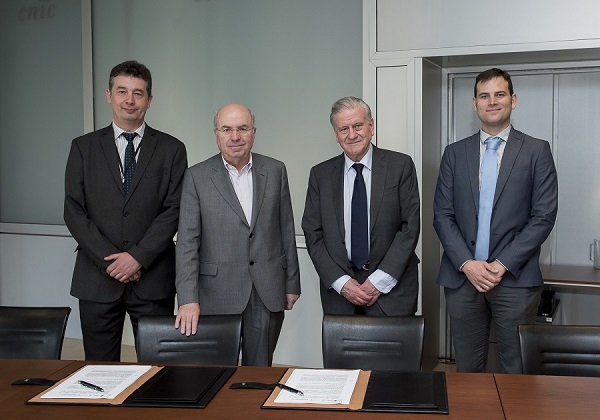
[(236, 246), (490, 267), (367, 264), (122, 193)]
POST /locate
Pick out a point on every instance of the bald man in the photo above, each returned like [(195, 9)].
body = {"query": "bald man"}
[(236, 248)]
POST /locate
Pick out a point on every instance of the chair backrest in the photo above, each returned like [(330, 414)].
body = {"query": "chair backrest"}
[(32, 333), (373, 343), (561, 350), (217, 341)]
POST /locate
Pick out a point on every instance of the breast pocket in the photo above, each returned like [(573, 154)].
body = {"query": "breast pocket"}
[(156, 173)]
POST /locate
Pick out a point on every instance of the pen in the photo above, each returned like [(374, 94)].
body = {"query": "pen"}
[(289, 388), (91, 386)]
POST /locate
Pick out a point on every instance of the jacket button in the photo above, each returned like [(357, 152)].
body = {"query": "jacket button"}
[(251, 263), (125, 242), (251, 235), (126, 214)]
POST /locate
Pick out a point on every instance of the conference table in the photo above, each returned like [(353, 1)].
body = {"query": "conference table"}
[(470, 396), (548, 397), (570, 275)]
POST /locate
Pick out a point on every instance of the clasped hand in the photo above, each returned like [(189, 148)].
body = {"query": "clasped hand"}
[(484, 276), (360, 294), (124, 267)]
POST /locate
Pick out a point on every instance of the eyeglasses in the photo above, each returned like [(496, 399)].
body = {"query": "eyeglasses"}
[(358, 127), (242, 131)]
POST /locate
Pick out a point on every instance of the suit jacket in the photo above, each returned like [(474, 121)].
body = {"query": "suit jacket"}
[(104, 221), (394, 222), (220, 255), (523, 215)]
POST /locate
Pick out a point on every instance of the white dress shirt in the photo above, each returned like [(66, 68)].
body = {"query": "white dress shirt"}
[(242, 185), (121, 143)]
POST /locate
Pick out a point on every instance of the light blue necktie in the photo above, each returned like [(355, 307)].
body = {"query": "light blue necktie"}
[(489, 174)]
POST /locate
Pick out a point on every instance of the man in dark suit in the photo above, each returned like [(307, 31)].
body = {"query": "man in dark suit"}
[(236, 246), (122, 193), (363, 245), (490, 267)]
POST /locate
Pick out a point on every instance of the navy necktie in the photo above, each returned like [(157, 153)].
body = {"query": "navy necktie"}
[(489, 175), (129, 165), (359, 239)]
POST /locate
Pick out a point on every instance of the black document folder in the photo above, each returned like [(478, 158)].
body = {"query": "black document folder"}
[(415, 392), (180, 386)]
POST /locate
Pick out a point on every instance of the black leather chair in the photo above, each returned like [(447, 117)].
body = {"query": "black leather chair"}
[(373, 343), (217, 341), (32, 333), (561, 350)]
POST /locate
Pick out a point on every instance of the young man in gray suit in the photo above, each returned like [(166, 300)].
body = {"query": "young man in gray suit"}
[(361, 221), (122, 192), (236, 246), (495, 204)]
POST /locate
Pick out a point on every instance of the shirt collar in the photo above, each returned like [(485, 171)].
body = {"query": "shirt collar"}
[(118, 131), (483, 136), (367, 160), (231, 168)]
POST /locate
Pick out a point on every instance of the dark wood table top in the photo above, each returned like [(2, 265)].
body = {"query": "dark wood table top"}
[(470, 396), (549, 397), (570, 275)]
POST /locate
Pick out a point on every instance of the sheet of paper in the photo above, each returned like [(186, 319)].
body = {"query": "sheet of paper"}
[(320, 386), (113, 379)]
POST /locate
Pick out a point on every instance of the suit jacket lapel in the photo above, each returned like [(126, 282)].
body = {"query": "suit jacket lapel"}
[(473, 146), (337, 186), (222, 183), (259, 180), (107, 140), (378, 175), (511, 151)]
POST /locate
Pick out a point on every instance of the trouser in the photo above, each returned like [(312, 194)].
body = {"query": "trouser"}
[(471, 314), (102, 323), (260, 332)]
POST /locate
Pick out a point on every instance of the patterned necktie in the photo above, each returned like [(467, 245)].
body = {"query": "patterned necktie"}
[(129, 165), (359, 232), (489, 175)]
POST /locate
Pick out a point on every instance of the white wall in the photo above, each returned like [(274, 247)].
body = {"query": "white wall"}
[(36, 269), (440, 27)]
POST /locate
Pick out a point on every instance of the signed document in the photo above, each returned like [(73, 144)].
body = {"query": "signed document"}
[(112, 379), (320, 386)]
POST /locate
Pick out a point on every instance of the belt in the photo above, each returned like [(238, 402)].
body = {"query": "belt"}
[(363, 268)]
